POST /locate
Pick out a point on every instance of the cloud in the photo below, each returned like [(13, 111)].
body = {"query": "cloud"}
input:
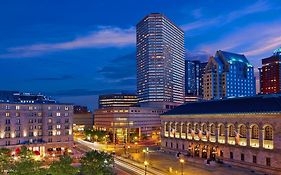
[(259, 6), (102, 38), (83, 92), (64, 77), (120, 69), (253, 41)]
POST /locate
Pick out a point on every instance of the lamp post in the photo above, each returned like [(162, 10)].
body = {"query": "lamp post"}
[(181, 162), (145, 167)]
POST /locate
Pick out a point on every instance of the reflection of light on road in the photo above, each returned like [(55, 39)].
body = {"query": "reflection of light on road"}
[(122, 162)]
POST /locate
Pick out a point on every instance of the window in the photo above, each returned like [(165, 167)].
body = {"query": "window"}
[(49, 120), (268, 161), (242, 131), (17, 107), (166, 144), (254, 159), (231, 131), (171, 145), (17, 114), (255, 132), (268, 133), (182, 146), (231, 155), (66, 108), (7, 114), (242, 157), (221, 130), (66, 114), (177, 146), (8, 121), (58, 114)]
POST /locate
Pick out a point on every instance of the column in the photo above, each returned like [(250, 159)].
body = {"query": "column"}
[(181, 129), (248, 135), (169, 129), (200, 150), (226, 134), (208, 151), (261, 136), (114, 137), (217, 133)]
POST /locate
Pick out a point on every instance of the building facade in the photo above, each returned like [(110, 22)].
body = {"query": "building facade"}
[(123, 122), (194, 71), (117, 100), (83, 119), (240, 131), (160, 60), (228, 75), (270, 74), (46, 128)]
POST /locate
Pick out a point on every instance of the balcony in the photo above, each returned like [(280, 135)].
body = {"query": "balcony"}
[(243, 141), (221, 139), (231, 140), (212, 138), (183, 135), (268, 144), (189, 136), (204, 138), (196, 137), (254, 143), (177, 135)]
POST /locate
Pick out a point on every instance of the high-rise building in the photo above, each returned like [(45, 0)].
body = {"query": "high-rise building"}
[(270, 73), (117, 100), (194, 71), (228, 75), (160, 61)]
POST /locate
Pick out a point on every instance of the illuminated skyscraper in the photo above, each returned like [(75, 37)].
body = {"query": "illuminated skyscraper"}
[(228, 75), (160, 60), (270, 73)]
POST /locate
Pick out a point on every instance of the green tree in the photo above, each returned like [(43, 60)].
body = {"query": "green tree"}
[(62, 167), (96, 163), (26, 165), (5, 159)]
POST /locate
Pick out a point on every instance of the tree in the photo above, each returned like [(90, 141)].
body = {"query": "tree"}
[(26, 165), (62, 167), (96, 163), (5, 159)]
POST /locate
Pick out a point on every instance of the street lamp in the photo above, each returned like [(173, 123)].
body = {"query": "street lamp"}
[(181, 162), (145, 167)]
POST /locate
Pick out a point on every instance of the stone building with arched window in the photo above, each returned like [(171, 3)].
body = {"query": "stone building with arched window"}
[(240, 131)]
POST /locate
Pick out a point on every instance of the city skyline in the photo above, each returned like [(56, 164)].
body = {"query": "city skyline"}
[(75, 53)]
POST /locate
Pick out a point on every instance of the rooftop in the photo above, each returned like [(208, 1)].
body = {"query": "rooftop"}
[(232, 57), (256, 104)]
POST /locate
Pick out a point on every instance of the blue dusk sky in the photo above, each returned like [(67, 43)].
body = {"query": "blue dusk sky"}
[(74, 50)]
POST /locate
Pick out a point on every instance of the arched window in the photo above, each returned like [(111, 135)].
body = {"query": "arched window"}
[(204, 128), (255, 132), (243, 131), (231, 132), (213, 129), (268, 133), (184, 128), (167, 126), (196, 127), (178, 127), (221, 130), (190, 128)]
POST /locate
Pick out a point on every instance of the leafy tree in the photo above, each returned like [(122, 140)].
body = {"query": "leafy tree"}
[(96, 163), (26, 165), (5, 159), (62, 167)]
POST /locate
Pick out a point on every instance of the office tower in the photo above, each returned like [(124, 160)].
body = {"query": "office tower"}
[(160, 61), (117, 100), (228, 75), (270, 73), (194, 71)]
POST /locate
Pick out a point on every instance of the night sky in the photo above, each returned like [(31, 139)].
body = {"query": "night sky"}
[(74, 50)]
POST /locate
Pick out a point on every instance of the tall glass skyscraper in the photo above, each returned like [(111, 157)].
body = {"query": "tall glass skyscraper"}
[(160, 60), (228, 75), (194, 71)]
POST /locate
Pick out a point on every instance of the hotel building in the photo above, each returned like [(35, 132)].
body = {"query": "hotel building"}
[(42, 126), (270, 74), (241, 131), (160, 61), (228, 75)]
